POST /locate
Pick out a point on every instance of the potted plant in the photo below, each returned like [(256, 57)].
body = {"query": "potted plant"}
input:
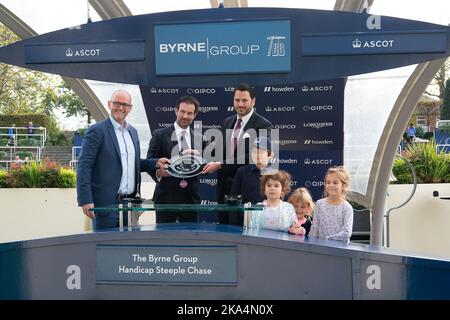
[(39, 200), (421, 223)]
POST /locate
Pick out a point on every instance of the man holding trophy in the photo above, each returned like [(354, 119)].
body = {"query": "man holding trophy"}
[(177, 183)]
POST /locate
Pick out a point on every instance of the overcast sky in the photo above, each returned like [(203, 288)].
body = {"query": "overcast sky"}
[(49, 15)]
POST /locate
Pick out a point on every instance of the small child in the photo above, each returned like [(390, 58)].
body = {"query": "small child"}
[(277, 214), (303, 204), (333, 215), (247, 180)]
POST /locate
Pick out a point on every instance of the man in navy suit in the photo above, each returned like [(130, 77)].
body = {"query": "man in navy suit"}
[(109, 167), (238, 131), (166, 143)]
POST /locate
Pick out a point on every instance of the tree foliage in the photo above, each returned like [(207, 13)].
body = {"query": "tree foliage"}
[(436, 87), (22, 91), (445, 110), (64, 98), (429, 108)]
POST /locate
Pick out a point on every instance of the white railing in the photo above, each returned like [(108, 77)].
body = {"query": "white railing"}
[(73, 163), (12, 151), (39, 133)]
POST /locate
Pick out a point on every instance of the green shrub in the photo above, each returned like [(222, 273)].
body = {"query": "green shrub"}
[(3, 155), (420, 132), (21, 120), (431, 167), (28, 142), (3, 175), (23, 154), (402, 172), (45, 174), (66, 178), (58, 139), (4, 142), (49, 172), (28, 175), (428, 135)]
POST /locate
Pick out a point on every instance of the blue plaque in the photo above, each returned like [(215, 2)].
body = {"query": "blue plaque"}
[(84, 52), (223, 47), (190, 264), (374, 43)]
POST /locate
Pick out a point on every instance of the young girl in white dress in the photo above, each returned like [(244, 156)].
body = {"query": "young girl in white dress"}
[(333, 215), (277, 214)]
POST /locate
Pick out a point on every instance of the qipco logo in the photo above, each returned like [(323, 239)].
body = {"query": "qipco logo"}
[(201, 91)]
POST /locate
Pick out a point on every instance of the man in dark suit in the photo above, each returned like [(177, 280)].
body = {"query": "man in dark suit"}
[(109, 165), (238, 131), (166, 143)]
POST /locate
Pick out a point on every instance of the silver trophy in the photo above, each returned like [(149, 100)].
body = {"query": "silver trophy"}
[(186, 166)]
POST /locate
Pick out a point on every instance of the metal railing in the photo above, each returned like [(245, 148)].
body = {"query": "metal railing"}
[(14, 134), (386, 238), (75, 154), (11, 152)]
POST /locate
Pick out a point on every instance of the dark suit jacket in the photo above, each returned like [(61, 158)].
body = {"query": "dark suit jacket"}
[(168, 190), (99, 168), (228, 171)]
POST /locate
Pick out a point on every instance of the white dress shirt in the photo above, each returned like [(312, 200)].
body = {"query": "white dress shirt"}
[(243, 123), (178, 132), (127, 158)]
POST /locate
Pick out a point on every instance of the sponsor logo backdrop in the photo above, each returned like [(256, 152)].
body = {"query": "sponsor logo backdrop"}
[(309, 117)]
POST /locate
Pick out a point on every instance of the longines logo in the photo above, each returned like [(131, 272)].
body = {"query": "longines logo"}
[(164, 124), (279, 89), (230, 109), (305, 88), (317, 125), (82, 53), (208, 202), (210, 51), (313, 183), (163, 90), (356, 44), (279, 109), (309, 161), (228, 89), (309, 141), (284, 161), (276, 46), (201, 90), (207, 109), (286, 142), (165, 109), (210, 182), (318, 108), (285, 126)]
